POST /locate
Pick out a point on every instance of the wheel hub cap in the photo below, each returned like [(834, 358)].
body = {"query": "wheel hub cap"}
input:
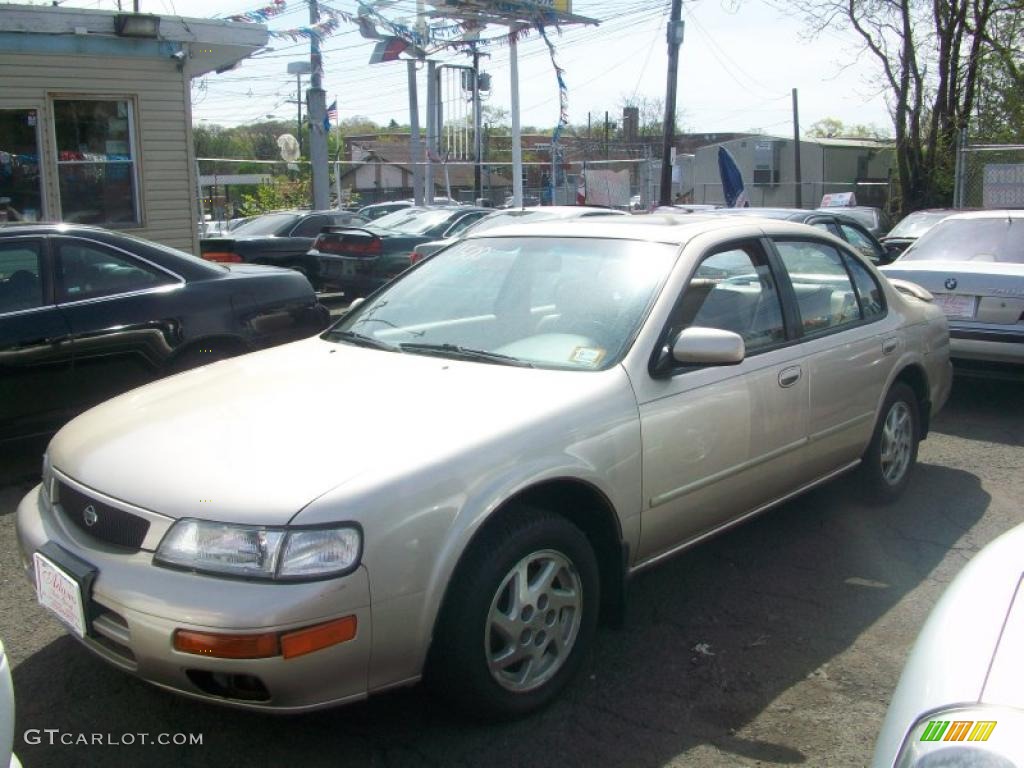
[(897, 442), (533, 621)]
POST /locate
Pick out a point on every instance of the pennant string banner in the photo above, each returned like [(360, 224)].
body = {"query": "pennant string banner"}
[(262, 14), (563, 90)]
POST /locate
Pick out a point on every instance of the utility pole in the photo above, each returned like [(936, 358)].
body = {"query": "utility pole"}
[(432, 89), (796, 153), (517, 146), (606, 135), (478, 143), (415, 147), (316, 98), (675, 39)]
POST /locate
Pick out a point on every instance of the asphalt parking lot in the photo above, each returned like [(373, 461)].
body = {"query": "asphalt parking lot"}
[(778, 643)]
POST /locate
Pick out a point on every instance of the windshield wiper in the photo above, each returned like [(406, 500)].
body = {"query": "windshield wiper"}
[(464, 353), (361, 340)]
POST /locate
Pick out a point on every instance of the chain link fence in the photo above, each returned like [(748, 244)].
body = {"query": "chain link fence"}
[(990, 176), (231, 188)]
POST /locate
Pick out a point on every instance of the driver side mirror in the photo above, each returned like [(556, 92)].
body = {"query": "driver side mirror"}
[(708, 346)]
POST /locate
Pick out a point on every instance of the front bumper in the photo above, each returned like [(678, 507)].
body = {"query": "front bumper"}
[(135, 607), (987, 344)]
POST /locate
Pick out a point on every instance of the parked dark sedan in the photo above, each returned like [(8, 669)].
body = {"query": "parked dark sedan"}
[(359, 260), (86, 314), (280, 239), (841, 224)]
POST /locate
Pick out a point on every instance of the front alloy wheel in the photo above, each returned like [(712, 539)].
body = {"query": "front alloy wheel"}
[(533, 621), (519, 616)]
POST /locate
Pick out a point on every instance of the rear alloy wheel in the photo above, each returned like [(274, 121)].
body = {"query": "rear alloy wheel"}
[(893, 449), (519, 617)]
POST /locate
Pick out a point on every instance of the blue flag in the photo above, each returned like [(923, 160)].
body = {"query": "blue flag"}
[(732, 180)]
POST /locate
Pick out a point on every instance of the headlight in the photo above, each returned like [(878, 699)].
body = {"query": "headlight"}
[(977, 737), (260, 552)]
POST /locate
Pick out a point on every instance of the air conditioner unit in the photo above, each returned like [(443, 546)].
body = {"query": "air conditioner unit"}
[(766, 163)]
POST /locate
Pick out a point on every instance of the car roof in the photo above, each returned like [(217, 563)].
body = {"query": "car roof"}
[(991, 213), (676, 229), (45, 228)]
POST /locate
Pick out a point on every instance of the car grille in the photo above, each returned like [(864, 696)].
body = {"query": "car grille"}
[(104, 522)]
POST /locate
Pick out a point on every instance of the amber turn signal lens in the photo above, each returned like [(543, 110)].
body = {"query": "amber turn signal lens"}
[(314, 638), (226, 646)]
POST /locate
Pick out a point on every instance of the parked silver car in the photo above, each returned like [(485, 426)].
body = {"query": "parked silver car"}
[(960, 700), (973, 264), (457, 479)]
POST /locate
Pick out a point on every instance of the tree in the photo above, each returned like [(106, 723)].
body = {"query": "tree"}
[(833, 128), (999, 115), (929, 55)]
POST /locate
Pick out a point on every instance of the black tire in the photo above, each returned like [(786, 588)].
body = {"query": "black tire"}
[(881, 482), (464, 636)]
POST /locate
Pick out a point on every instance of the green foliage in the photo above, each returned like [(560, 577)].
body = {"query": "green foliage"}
[(833, 128), (281, 193)]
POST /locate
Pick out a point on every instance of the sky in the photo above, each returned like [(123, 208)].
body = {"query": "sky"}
[(738, 63)]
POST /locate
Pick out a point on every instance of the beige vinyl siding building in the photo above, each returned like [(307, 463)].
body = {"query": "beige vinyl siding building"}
[(106, 117), (767, 163)]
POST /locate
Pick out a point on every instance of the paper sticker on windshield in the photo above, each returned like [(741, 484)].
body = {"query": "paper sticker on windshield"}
[(591, 356)]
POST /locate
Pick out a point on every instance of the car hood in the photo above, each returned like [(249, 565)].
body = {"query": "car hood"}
[(971, 649), (256, 438)]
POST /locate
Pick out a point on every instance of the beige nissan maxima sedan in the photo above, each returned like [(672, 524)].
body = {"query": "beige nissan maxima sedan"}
[(457, 480)]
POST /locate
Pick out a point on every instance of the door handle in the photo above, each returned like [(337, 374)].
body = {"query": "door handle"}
[(889, 346), (790, 376)]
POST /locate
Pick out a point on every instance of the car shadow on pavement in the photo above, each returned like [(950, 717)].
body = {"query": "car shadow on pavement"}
[(713, 643), (977, 411)]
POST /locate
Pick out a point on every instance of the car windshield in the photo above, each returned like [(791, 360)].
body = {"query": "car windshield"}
[(421, 221), (916, 224), (568, 303), (268, 224), (984, 239), (865, 216), (501, 218), (396, 217)]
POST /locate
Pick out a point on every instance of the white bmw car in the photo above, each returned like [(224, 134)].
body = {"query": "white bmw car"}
[(973, 264)]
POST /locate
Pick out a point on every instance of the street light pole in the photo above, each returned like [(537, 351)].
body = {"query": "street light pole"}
[(298, 103), (317, 100), (675, 39)]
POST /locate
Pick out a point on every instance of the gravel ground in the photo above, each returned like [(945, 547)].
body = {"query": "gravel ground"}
[(778, 643)]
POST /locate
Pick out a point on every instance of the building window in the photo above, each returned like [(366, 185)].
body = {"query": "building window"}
[(21, 190), (96, 161)]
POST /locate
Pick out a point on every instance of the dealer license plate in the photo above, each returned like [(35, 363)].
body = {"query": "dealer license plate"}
[(957, 305), (60, 592)]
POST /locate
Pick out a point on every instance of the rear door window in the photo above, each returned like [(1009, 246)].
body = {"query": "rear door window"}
[(825, 296), (88, 270), (21, 275)]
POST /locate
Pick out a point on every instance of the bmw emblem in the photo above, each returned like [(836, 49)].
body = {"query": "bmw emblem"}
[(951, 283), (89, 516)]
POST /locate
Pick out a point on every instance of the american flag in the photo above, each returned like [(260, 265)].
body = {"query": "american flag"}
[(332, 111)]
